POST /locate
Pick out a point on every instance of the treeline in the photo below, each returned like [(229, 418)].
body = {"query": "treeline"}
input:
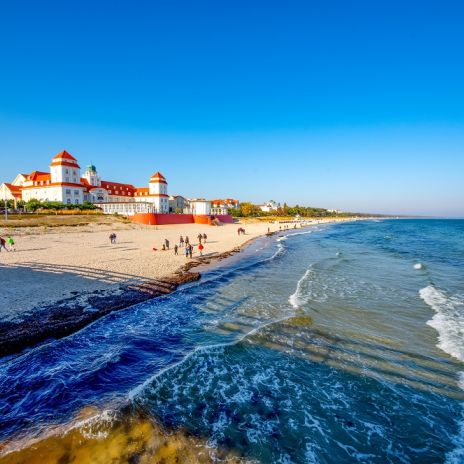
[(36, 205), (250, 210)]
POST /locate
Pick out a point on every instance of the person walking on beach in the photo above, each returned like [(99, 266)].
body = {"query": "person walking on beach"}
[(176, 248), (11, 243), (190, 251), (181, 241), (200, 247), (166, 242), (3, 244), (204, 238), (200, 237), (187, 241), (187, 251)]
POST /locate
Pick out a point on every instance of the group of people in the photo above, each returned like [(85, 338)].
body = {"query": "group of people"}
[(11, 244), (185, 243)]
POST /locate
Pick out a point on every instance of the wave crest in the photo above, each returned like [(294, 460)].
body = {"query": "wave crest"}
[(448, 320)]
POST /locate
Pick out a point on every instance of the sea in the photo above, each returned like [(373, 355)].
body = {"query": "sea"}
[(338, 343)]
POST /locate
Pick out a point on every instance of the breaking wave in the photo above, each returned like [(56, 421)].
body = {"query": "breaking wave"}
[(297, 298), (448, 321)]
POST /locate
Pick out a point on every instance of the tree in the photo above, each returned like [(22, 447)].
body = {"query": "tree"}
[(285, 210), (33, 205), (247, 209)]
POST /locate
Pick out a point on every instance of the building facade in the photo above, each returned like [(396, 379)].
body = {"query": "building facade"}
[(269, 206), (64, 183)]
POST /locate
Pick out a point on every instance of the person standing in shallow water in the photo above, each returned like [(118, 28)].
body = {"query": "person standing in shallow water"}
[(200, 248)]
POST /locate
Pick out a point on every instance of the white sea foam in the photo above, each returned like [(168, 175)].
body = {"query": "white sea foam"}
[(95, 426), (448, 320), (296, 299), (136, 391), (300, 233), (418, 266)]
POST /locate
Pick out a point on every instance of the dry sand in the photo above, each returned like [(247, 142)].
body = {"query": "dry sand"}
[(49, 265)]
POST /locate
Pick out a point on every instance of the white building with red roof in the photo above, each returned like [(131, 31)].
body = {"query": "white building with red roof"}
[(64, 184)]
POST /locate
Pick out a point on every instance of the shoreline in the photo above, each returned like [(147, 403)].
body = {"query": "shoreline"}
[(65, 316)]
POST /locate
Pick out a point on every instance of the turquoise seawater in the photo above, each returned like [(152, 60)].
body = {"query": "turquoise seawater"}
[(331, 344)]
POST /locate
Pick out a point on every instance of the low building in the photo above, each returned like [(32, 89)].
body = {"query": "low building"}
[(10, 192), (198, 207), (177, 203), (269, 206)]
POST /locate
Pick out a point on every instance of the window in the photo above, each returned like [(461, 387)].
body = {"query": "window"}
[(76, 192), (77, 201), (68, 201), (66, 171), (66, 179)]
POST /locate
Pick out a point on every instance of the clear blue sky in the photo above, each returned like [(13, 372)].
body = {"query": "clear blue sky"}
[(357, 105)]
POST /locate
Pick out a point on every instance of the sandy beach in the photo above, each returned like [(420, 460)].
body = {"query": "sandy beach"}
[(53, 264)]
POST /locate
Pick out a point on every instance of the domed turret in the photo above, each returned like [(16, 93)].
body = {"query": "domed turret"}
[(92, 176)]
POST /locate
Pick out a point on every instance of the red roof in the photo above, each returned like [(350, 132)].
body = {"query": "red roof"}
[(34, 175), (65, 155), (227, 201), (14, 189), (158, 175), (116, 186), (43, 177)]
